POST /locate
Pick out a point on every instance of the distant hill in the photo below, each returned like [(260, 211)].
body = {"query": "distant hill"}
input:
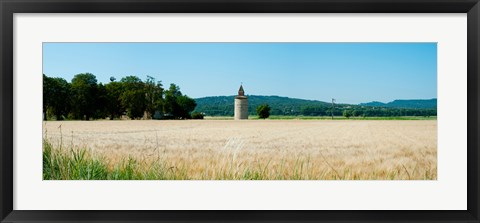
[(224, 106), (428, 103)]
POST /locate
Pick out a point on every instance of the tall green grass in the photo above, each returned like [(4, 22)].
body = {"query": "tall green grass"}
[(81, 164)]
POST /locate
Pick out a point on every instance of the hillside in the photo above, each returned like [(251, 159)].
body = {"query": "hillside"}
[(429, 103), (224, 106)]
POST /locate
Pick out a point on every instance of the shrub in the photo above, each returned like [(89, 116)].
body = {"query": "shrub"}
[(197, 115), (263, 111), (347, 113)]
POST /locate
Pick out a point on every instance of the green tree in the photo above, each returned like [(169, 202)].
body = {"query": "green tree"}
[(263, 111), (177, 105), (83, 95), (197, 115), (185, 106), (114, 103), (153, 96), (347, 113), (48, 92), (356, 113), (171, 106), (56, 95), (101, 101), (133, 96)]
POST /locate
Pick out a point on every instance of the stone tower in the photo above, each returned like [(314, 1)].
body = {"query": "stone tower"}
[(241, 105)]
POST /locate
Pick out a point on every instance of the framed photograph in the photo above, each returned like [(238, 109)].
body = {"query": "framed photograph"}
[(246, 111)]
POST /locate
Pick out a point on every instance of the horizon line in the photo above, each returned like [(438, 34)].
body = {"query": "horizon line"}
[(320, 100)]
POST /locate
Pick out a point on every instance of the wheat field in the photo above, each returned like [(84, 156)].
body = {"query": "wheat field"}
[(261, 149)]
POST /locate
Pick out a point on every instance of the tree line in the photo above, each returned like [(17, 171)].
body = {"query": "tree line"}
[(282, 106), (85, 99), (320, 110), (363, 111)]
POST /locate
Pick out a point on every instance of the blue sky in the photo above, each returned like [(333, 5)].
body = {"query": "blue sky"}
[(348, 72)]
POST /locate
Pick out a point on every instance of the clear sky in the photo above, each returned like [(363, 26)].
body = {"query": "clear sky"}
[(348, 72)]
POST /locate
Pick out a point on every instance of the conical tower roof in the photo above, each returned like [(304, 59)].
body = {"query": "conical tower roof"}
[(241, 92)]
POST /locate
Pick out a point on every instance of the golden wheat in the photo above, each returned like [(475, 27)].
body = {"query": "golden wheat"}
[(264, 149)]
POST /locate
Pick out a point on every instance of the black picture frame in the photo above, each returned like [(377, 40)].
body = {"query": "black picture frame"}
[(9, 7)]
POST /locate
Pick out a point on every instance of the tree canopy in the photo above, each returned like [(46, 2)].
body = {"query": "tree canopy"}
[(263, 111), (85, 99), (56, 96)]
